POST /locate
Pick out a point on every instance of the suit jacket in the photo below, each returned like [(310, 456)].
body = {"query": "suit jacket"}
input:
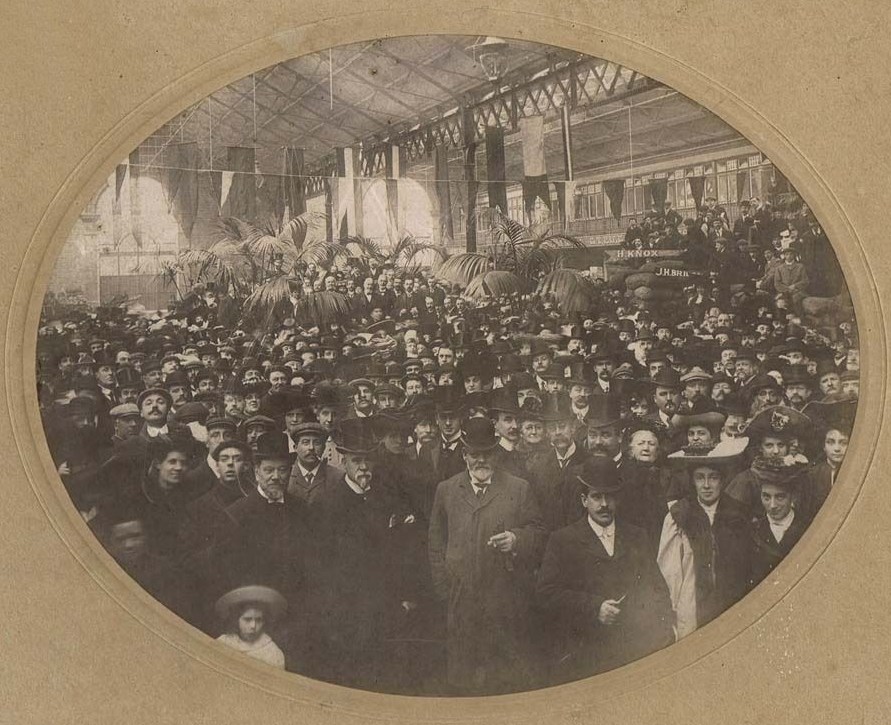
[(441, 462), (309, 493), (577, 576), (488, 592), (556, 489)]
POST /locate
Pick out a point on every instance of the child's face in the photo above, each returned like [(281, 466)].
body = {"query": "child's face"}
[(250, 624)]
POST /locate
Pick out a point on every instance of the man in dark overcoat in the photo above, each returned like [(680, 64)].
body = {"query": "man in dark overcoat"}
[(606, 600), (485, 540)]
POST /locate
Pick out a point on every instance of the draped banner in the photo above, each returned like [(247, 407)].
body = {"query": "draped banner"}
[(535, 174), (658, 189), (742, 180), (182, 181), (242, 198), (135, 201), (495, 169), (270, 199), (615, 192), (443, 193), (117, 208), (697, 186), (393, 172), (294, 183), (470, 202)]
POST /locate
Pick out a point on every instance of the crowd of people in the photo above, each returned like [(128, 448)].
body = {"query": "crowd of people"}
[(444, 495)]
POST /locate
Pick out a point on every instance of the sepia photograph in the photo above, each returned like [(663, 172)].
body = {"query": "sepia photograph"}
[(448, 366)]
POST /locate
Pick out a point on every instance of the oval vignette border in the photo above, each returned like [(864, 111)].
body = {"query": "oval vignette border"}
[(80, 185)]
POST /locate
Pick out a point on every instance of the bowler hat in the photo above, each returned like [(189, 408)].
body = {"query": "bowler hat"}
[(478, 435), (599, 475)]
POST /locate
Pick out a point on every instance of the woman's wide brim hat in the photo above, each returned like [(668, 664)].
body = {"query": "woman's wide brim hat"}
[(726, 452), (272, 602)]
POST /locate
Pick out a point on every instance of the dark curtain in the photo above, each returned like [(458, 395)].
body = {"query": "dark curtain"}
[(495, 168), (697, 187), (615, 192), (392, 184)]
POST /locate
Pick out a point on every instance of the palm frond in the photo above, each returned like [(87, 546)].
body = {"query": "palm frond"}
[(462, 268), (495, 283), (567, 286), (294, 232), (270, 297), (319, 308), (363, 247)]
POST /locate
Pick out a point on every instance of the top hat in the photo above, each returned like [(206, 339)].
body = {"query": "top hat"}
[(556, 407), (581, 374), (448, 399), (273, 445), (356, 436), (504, 400), (603, 410)]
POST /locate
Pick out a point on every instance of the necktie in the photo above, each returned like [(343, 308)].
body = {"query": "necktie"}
[(480, 492), (309, 477)]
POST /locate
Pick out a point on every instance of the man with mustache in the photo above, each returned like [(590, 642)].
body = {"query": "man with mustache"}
[(602, 429), (605, 599), (550, 472), (309, 474), (505, 414), (484, 544)]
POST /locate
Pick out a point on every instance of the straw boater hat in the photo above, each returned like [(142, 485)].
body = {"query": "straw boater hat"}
[(273, 603)]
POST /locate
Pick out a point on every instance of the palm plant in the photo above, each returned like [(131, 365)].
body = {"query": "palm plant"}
[(404, 255), (519, 257)]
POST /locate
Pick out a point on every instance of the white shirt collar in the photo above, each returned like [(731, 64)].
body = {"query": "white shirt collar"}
[(263, 494), (306, 472), (569, 452), (606, 534), (709, 510), (153, 432), (355, 486), (779, 528), (506, 444)]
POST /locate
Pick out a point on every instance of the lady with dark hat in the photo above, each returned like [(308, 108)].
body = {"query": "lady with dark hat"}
[(780, 525), (834, 420), (705, 546)]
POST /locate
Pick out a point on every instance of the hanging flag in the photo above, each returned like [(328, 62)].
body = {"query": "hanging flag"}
[(135, 201), (183, 190), (243, 190), (393, 172), (226, 178), (121, 203), (697, 186), (535, 175), (216, 186), (615, 192), (443, 194), (495, 169), (294, 187), (658, 191)]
